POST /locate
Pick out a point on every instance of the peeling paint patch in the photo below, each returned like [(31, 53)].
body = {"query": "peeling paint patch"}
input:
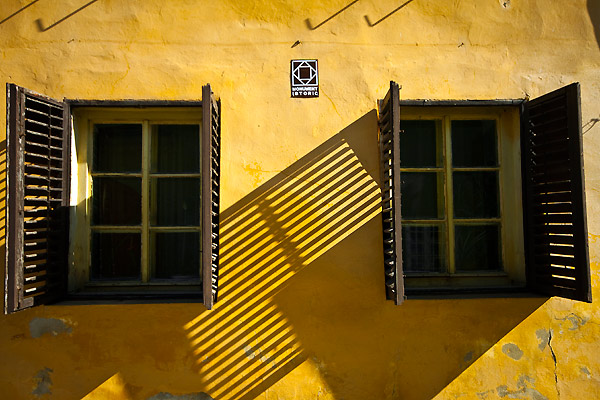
[(584, 370), (543, 336), (191, 396), (513, 351), (525, 389), (249, 352), (43, 382), (53, 326), (505, 3), (575, 320), (468, 357), (502, 390)]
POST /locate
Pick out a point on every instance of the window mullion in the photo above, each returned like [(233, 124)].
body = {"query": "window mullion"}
[(449, 193), (501, 188), (145, 200)]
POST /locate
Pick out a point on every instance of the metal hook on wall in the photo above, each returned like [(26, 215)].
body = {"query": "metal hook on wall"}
[(312, 28), (388, 15)]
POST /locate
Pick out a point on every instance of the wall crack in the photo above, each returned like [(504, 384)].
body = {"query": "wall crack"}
[(555, 363)]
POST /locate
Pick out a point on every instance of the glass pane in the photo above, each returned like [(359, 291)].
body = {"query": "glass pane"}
[(176, 255), (175, 202), (117, 148), (474, 144), (420, 144), (476, 194), (117, 201), (477, 247), (175, 148), (422, 195), (423, 248), (116, 255)]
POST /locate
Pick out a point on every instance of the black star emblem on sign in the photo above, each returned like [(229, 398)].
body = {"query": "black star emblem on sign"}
[(305, 78)]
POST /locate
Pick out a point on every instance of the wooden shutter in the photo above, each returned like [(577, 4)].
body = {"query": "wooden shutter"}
[(389, 146), (554, 195), (38, 161), (211, 154)]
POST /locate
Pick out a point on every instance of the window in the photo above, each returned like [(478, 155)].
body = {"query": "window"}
[(454, 215), (456, 220), (142, 220), (138, 186)]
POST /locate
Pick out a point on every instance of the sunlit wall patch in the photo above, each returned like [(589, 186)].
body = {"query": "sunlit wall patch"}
[(304, 75)]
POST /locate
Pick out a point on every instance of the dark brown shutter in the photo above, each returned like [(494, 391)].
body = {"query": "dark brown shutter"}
[(38, 164), (389, 146), (211, 158), (554, 195)]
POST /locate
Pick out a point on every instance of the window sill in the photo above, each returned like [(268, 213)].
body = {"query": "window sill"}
[(131, 297), (134, 284), (457, 274), (470, 293)]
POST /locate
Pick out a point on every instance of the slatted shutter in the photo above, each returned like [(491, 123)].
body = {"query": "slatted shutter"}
[(211, 154), (554, 195), (389, 146), (37, 229)]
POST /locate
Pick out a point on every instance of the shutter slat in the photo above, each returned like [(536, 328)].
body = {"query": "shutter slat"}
[(554, 219), (541, 229), (559, 285), (564, 197), (43, 124), (37, 227), (553, 121), (550, 139), (554, 196), (544, 239), (561, 272), (552, 248), (389, 157), (36, 224), (545, 155), (552, 187), (553, 260), (550, 176), (547, 103), (548, 165)]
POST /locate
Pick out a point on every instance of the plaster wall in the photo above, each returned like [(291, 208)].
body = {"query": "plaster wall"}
[(302, 313)]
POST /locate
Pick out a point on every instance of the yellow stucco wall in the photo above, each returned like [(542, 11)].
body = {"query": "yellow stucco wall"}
[(302, 313)]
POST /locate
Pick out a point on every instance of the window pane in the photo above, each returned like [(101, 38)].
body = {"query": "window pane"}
[(117, 148), (420, 144), (117, 201), (423, 248), (477, 247), (175, 148), (422, 195), (116, 255), (175, 201), (474, 144), (476, 194), (176, 255)]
